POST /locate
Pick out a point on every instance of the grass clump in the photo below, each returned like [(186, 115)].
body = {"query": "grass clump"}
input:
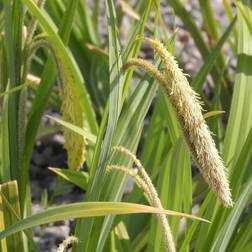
[(67, 58)]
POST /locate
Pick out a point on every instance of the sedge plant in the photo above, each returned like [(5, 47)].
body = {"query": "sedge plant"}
[(70, 58)]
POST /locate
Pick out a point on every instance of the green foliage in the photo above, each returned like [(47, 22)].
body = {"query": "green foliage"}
[(116, 112), (10, 214)]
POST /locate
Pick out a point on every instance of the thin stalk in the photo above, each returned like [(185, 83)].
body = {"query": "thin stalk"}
[(168, 239)]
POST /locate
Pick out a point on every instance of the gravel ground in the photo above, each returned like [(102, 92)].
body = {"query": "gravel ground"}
[(48, 190)]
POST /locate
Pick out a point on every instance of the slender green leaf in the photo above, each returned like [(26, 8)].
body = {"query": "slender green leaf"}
[(5, 174), (171, 192), (13, 99), (15, 89), (223, 239), (116, 80), (210, 21), (199, 80), (78, 178), (240, 118), (246, 14), (90, 137), (87, 209), (9, 192), (212, 113)]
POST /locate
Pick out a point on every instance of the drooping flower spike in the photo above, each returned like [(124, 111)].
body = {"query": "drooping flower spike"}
[(69, 240), (75, 144), (143, 180), (186, 103)]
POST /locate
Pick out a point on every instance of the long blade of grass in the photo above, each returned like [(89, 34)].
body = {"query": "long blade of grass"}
[(191, 25), (15, 89), (9, 191), (13, 99), (90, 137), (246, 14), (241, 166), (200, 78), (193, 227), (170, 179), (5, 174), (128, 120), (88, 21), (16, 216), (209, 18), (220, 215), (240, 118), (212, 113), (240, 241), (76, 177), (87, 209), (223, 239), (116, 84), (127, 134)]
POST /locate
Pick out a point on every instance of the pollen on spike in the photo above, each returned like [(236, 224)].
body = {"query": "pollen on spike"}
[(186, 103)]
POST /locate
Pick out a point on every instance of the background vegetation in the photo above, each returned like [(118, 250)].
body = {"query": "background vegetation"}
[(46, 48)]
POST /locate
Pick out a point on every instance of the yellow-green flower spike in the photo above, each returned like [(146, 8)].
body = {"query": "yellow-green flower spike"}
[(189, 113), (71, 108), (72, 112), (74, 143)]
